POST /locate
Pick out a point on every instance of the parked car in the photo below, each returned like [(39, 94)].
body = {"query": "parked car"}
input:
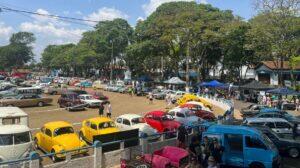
[(26, 101), (285, 145), (96, 126), (70, 101), (244, 146), (290, 118), (15, 142), (13, 116), (100, 96), (59, 136), (89, 100), (200, 111), (176, 95), (278, 125), (78, 92), (85, 84), (97, 84), (252, 110), (161, 121), (133, 121), (177, 157), (185, 116), (54, 90)]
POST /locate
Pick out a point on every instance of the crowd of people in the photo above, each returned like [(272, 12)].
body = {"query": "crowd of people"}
[(204, 154), (278, 101)]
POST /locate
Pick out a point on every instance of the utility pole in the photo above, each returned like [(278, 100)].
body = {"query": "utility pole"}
[(187, 71), (111, 63)]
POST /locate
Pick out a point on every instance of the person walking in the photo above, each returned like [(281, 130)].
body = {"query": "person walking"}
[(101, 110), (181, 137), (109, 110)]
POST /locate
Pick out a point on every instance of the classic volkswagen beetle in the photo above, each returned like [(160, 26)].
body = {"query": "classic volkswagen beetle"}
[(96, 126), (57, 137)]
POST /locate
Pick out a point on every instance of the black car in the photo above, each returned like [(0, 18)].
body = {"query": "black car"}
[(284, 143)]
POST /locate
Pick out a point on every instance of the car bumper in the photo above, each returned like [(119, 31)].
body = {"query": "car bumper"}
[(72, 153)]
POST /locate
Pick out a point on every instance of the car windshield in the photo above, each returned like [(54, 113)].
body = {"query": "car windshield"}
[(189, 113), (108, 124), (88, 98), (6, 140), (63, 130), (137, 120), (268, 142), (21, 138), (167, 117)]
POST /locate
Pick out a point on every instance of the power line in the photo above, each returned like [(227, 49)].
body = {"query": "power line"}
[(47, 15)]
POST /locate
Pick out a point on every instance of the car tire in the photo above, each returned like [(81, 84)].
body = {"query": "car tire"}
[(256, 165), (40, 104), (53, 157), (36, 146), (294, 152)]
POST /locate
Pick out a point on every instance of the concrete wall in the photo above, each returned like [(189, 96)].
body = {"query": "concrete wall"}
[(74, 163)]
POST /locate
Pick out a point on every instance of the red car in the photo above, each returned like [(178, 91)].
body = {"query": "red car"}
[(206, 115), (161, 121)]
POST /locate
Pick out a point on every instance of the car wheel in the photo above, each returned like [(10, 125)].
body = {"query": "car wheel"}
[(293, 152), (53, 157), (256, 165), (40, 104), (36, 146)]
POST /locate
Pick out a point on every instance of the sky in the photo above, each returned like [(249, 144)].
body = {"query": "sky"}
[(51, 31)]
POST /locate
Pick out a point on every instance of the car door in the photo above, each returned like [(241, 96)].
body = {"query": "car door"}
[(87, 129), (48, 140), (234, 150), (93, 131)]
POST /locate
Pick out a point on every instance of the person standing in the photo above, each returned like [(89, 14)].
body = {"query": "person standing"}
[(195, 151), (181, 137), (206, 150), (150, 98), (217, 151), (109, 110), (101, 110)]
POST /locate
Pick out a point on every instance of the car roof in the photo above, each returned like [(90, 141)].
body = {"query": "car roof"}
[(13, 129), (231, 129), (11, 111), (179, 109), (266, 110), (157, 113), (57, 124), (98, 120), (129, 116), (254, 119)]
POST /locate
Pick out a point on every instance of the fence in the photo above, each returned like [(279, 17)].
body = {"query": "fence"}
[(224, 104), (98, 159)]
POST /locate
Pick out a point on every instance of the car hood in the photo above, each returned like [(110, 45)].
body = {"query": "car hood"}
[(143, 127), (68, 141)]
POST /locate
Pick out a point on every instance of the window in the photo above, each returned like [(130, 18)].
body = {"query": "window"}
[(180, 115), (172, 113), (252, 142), (119, 120), (6, 140), (257, 124), (270, 125), (126, 122), (21, 138), (48, 132), (108, 124), (88, 123), (63, 130), (282, 125), (235, 142), (94, 126), (11, 121)]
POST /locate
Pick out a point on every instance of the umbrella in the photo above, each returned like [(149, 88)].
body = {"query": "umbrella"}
[(283, 91), (175, 81)]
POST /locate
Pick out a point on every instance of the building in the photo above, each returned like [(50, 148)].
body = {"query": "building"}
[(268, 72)]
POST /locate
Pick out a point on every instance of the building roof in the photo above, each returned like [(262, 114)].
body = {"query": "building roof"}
[(11, 112), (275, 65)]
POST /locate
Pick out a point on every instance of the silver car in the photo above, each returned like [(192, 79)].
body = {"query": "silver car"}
[(278, 125)]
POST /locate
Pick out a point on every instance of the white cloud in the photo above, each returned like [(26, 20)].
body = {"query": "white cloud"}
[(106, 14), (78, 13), (153, 4), (5, 33), (66, 12), (140, 18)]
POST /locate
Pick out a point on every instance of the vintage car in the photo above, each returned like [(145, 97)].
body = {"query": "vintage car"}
[(15, 142), (85, 84), (26, 101), (161, 121), (58, 137), (133, 121), (252, 110), (89, 100), (70, 101), (100, 96), (199, 110), (96, 126), (97, 84), (185, 116)]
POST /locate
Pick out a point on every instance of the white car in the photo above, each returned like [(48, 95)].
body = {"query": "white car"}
[(185, 116), (278, 125), (15, 142), (176, 95), (89, 100), (199, 106), (133, 121)]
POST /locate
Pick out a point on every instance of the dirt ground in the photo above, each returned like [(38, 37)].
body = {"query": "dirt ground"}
[(121, 104)]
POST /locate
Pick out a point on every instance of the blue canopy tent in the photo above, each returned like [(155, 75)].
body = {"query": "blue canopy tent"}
[(213, 84), (283, 91), (144, 78)]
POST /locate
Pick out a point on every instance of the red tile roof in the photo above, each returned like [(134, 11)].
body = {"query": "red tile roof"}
[(275, 65)]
